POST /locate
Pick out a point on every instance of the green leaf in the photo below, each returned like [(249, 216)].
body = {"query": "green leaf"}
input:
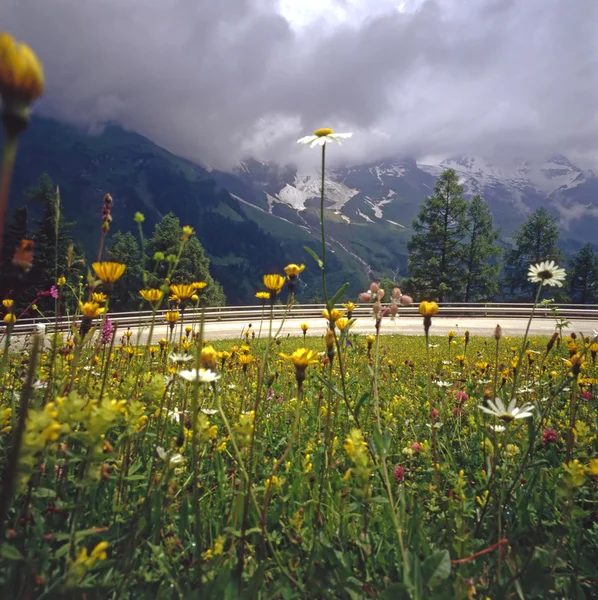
[(314, 256), (379, 500), (10, 553), (43, 493), (364, 398), (436, 568), (337, 296)]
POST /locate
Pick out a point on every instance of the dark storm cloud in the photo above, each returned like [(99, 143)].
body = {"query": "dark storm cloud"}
[(217, 80)]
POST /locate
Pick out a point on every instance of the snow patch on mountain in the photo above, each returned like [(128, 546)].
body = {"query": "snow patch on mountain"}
[(364, 217), (306, 186), (477, 173)]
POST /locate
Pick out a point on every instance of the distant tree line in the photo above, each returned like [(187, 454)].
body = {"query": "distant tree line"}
[(455, 253), (56, 255)]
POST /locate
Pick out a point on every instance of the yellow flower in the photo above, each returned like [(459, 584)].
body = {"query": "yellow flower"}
[(342, 323), (592, 467), (574, 473), (8, 303), (195, 298), (184, 292), (198, 285), (163, 341), (10, 319), (99, 298), (108, 272), (293, 270), (171, 316), (350, 306), (274, 283), (262, 295), (302, 358), (245, 359), (90, 310), (61, 281), (153, 296), (333, 315), (208, 357), (21, 74), (428, 309), (304, 327), (187, 232)]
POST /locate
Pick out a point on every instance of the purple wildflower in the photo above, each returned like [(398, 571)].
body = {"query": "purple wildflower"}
[(54, 292), (107, 331)]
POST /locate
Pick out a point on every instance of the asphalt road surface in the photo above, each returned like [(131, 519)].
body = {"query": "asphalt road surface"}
[(403, 326)]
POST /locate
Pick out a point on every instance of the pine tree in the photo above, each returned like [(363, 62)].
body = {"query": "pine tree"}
[(582, 275), (125, 249), (535, 241), (436, 249), (481, 252), (193, 264), (54, 248)]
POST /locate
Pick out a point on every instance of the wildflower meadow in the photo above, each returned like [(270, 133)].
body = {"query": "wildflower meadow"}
[(342, 466)]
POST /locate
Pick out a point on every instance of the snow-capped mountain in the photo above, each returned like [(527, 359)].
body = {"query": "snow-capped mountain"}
[(371, 206), (390, 191)]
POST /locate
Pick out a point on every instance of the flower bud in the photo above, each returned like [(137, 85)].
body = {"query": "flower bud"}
[(380, 293), (365, 297), (396, 293), (376, 307), (406, 300), (393, 309), (497, 332), (373, 288)]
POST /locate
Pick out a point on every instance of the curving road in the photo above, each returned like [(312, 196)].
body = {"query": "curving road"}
[(406, 326)]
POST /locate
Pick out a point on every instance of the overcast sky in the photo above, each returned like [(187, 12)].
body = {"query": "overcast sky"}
[(217, 80)]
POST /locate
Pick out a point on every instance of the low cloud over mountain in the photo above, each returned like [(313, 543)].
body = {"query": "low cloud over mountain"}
[(218, 81)]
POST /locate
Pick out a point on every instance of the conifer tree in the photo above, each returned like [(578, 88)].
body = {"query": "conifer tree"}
[(535, 241), (436, 249), (193, 264), (481, 252), (582, 275), (125, 249)]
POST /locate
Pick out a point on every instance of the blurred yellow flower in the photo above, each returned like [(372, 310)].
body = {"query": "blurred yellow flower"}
[(108, 272), (21, 74), (152, 296)]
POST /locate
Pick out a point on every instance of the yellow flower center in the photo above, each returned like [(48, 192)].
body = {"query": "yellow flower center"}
[(323, 131)]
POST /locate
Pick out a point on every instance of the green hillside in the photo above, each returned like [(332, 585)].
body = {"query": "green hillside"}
[(241, 242)]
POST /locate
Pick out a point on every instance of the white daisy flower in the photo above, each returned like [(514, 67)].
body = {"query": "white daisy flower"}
[(443, 384), (209, 411), (547, 272), (174, 415), (321, 136), (507, 413), (179, 358), (200, 375), (175, 459)]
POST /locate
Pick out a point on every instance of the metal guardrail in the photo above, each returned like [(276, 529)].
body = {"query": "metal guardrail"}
[(310, 311)]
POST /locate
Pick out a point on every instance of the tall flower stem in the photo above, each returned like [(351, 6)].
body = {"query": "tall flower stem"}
[(10, 472), (8, 160), (322, 231), (524, 343)]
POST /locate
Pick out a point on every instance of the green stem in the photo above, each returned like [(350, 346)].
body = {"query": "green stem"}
[(8, 160)]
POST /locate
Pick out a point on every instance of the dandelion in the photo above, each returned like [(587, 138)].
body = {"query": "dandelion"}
[(427, 310), (304, 328), (263, 296), (171, 317), (333, 315), (187, 232), (182, 292), (273, 283), (99, 298), (10, 319), (108, 272), (507, 413), (208, 357), (349, 307), (322, 136), (301, 358), (153, 296), (547, 273), (293, 271)]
